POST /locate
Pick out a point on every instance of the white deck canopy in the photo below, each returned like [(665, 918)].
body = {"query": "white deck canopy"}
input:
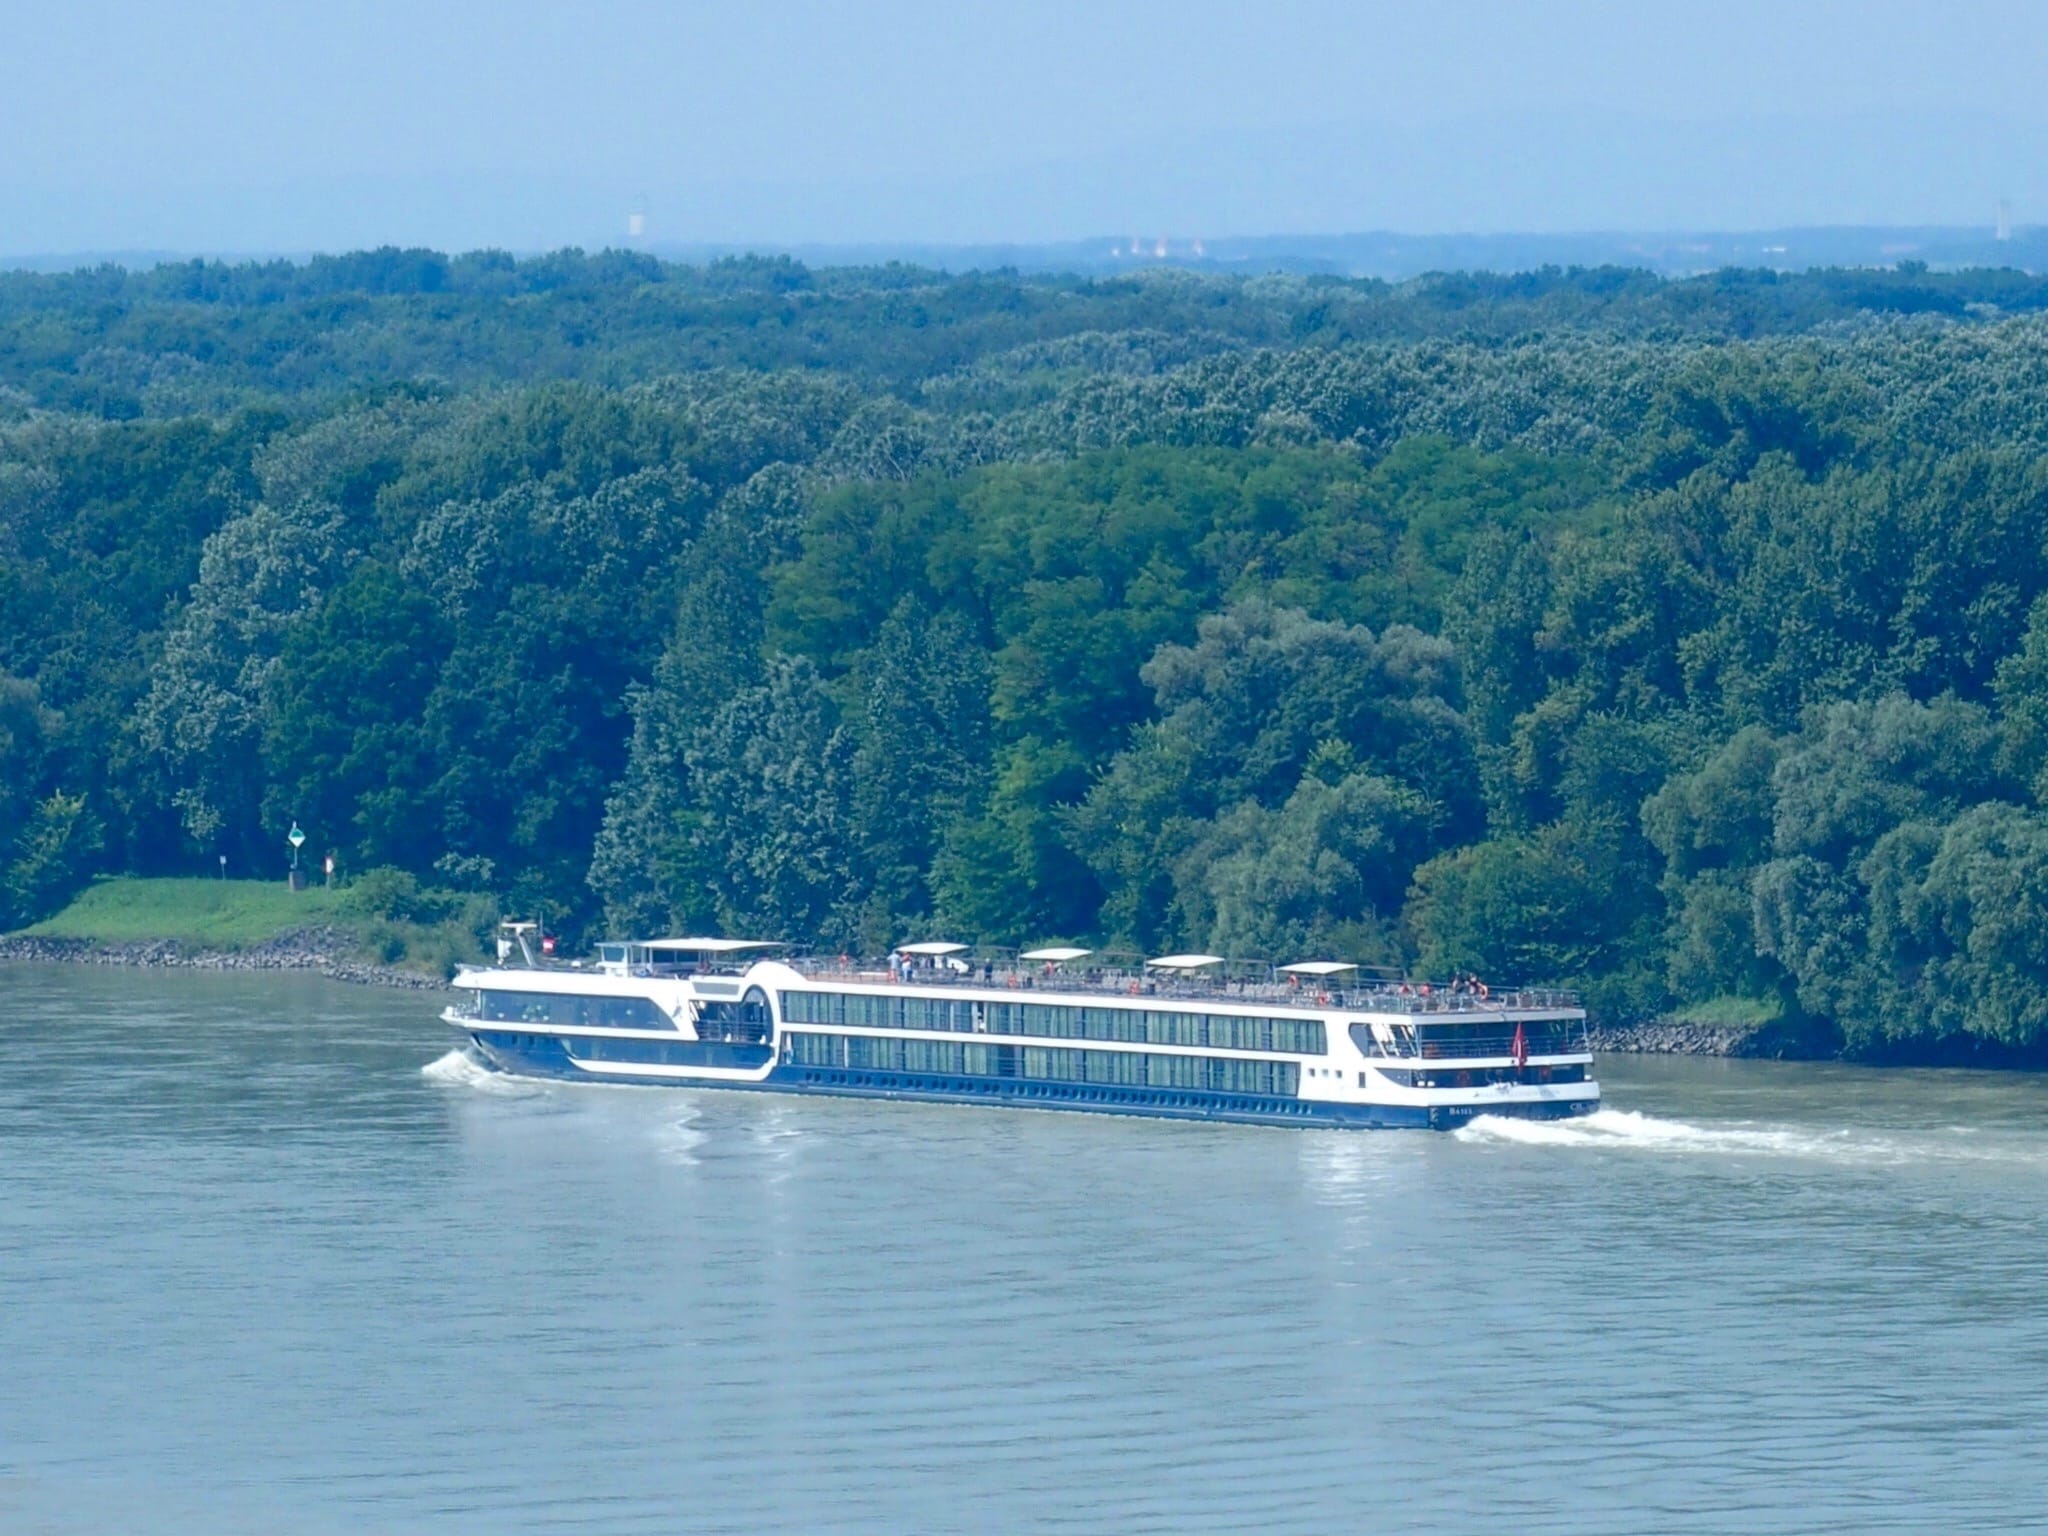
[(709, 946), (933, 947), (1056, 953), (1317, 968), (1184, 962)]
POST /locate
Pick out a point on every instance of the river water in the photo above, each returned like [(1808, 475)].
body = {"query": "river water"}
[(272, 1260)]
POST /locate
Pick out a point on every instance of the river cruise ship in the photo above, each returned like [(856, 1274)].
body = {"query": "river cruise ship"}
[(1179, 1037)]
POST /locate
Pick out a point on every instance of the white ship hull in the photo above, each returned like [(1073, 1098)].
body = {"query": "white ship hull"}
[(1359, 1060)]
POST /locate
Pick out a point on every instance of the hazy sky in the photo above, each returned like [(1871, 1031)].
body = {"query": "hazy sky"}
[(233, 125)]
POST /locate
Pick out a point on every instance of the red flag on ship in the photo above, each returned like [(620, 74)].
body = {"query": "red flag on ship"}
[(1521, 1046)]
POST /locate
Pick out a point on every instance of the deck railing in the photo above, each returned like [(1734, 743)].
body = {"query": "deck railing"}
[(1429, 1003), (1469, 1047), (1376, 998)]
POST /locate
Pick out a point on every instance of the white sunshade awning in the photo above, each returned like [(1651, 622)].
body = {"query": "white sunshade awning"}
[(1055, 953), (709, 946), (1184, 962), (930, 947), (1318, 968)]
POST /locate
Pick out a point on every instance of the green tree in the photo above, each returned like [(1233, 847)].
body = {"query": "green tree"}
[(1517, 911), (1247, 710), (773, 780), (924, 756), (1322, 874), (204, 714), (52, 856), (345, 750)]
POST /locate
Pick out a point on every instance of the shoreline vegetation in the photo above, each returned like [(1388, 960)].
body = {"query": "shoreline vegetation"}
[(384, 930), (1684, 642), (324, 950), (331, 953), (248, 925)]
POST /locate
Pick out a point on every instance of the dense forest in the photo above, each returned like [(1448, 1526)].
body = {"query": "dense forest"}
[(1686, 640)]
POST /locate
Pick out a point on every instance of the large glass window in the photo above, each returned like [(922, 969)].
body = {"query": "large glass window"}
[(746, 1020), (687, 1053), (1486, 1037), (1058, 1021), (571, 1008), (1044, 1063), (879, 1011)]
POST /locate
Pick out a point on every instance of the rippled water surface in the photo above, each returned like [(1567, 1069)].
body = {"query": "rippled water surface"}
[(270, 1260)]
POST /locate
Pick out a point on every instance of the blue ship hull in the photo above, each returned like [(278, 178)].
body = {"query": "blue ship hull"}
[(544, 1056)]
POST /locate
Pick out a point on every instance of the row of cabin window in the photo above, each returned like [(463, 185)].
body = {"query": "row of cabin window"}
[(1043, 1063), (1057, 1021), (570, 1008), (686, 1053), (877, 1011)]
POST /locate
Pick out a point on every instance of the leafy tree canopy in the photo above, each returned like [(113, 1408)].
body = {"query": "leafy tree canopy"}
[(1684, 640)]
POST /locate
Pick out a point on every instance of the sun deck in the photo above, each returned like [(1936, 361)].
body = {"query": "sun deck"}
[(1374, 997), (1307, 985)]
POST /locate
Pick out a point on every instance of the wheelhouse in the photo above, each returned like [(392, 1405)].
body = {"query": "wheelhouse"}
[(680, 957)]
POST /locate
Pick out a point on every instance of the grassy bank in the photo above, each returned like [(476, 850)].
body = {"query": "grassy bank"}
[(388, 922), (202, 914)]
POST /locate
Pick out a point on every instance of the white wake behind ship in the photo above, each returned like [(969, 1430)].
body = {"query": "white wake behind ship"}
[(1178, 1036)]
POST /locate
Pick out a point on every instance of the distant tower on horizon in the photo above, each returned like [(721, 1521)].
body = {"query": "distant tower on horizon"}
[(2004, 219), (636, 221)]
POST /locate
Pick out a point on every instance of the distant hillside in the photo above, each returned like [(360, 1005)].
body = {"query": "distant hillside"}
[(200, 337), (1373, 254), (1393, 257)]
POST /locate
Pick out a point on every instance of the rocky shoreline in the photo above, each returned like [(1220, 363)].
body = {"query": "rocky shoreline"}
[(322, 950), (1672, 1037)]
